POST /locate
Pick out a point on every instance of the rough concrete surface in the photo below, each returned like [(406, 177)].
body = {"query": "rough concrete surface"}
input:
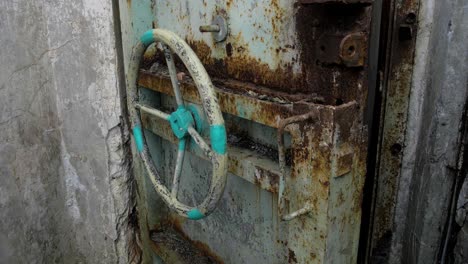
[(433, 136), (460, 252), (64, 195)]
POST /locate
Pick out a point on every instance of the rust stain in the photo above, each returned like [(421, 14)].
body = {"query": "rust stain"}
[(291, 256), (341, 199), (399, 56), (266, 178), (175, 223), (262, 111), (278, 16), (313, 256), (330, 84), (353, 49), (344, 164), (238, 65), (337, 84)]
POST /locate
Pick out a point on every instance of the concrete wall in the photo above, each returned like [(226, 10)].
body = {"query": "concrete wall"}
[(63, 178), (431, 162), (460, 251)]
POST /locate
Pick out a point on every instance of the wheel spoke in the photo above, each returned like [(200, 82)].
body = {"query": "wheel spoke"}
[(152, 111), (173, 75), (178, 168), (201, 142)]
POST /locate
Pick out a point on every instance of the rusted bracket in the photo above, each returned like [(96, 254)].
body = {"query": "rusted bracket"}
[(349, 50), (282, 163)]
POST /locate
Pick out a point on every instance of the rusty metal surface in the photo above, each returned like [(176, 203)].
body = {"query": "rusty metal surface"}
[(335, 140), (242, 162), (267, 70), (336, 1), (335, 83), (287, 216), (353, 49), (397, 85), (267, 51), (336, 199), (243, 105), (173, 247), (349, 50)]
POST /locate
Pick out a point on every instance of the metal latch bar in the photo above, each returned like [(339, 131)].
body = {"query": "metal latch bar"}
[(282, 163)]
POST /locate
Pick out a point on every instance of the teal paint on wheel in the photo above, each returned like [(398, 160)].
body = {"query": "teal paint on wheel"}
[(180, 121), (182, 144), (138, 135), (196, 116), (195, 214), (218, 139), (147, 38)]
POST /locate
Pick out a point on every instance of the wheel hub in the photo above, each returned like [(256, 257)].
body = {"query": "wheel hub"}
[(181, 120)]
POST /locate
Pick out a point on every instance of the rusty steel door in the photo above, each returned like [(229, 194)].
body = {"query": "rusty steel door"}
[(291, 81)]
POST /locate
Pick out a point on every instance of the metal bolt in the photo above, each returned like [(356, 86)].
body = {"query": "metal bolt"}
[(218, 28), (209, 28), (411, 18)]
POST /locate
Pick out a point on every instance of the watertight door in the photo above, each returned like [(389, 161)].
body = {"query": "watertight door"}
[(290, 78)]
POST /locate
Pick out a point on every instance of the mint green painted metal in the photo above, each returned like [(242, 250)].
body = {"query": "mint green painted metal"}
[(181, 122), (327, 158)]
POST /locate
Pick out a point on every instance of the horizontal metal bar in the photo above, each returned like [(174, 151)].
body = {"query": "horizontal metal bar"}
[(241, 105), (241, 162), (152, 111)]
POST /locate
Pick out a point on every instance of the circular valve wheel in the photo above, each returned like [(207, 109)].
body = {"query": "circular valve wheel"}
[(181, 121)]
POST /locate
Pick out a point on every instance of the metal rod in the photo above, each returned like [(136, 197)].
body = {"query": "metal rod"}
[(178, 168), (307, 208), (173, 74), (201, 142), (282, 164), (152, 111), (210, 28)]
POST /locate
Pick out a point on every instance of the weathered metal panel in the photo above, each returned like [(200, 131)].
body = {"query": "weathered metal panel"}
[(427, 61), (270, 67), (330, 151), (396, 92), (272, 44)]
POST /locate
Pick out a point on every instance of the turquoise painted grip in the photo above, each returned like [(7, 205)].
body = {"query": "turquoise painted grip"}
[(195, 214), (147, 38), (138, 135), (182, 143), (218, 138)]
